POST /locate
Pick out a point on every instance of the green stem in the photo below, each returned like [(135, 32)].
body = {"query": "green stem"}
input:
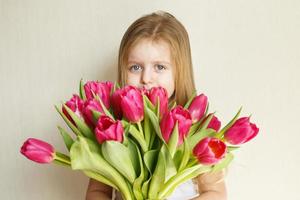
[(62, 158), (140, 128)]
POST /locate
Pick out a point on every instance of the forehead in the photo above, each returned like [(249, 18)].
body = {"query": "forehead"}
[(149, 50)]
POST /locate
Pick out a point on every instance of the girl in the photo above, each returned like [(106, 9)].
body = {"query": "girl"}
[(155, 51)]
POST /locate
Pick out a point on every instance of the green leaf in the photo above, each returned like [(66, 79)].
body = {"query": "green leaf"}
[(186, 155), (145, 187), (193, 140), (173, 141), (81, 125), (170, 166), (118, 156), (68, 122), (81, 90), (150, 159), (85, 155), (138, 136), (221, 133), (232, 148), (99, 177), (188, 103), (96, 114), (157, 107), (181, 177), (147, 130), (155, 123), (178, 158), (173, 105), (194, 128), (137, 185), (66, 137), (148, 103), (206, 122), (134, 155), (223, 163), (158, 177), (106, 111)]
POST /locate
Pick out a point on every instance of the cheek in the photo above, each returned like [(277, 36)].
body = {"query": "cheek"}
[(168, 83), (133, 80)]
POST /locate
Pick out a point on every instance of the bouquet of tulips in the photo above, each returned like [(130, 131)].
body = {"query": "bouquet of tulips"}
[(134, 141)]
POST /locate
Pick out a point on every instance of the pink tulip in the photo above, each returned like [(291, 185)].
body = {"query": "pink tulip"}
[(241, 131), (198, 107), (128, 102), (169, 120), (38, 151), (210, 151), (108, 129), (214, 123), (76, 105), (102, 89), (162, 94), (90, 105)]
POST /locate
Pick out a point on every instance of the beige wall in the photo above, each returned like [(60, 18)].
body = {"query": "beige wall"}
[(244, 53)]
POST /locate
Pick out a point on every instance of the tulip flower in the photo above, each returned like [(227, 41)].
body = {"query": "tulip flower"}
[(161, 94), (76, 105), (128, 102), (210, 151), (102, 89), (168, 122), (90, 105), (241, 131), (108, 129), (198, 107), (214, 123), (38, 151)]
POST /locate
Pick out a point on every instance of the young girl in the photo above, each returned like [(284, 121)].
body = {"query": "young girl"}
[(155, 51)]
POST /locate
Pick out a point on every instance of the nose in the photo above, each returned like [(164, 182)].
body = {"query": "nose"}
[(147, 77)]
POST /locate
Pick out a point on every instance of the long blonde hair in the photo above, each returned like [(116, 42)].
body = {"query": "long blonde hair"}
[(156, 26)]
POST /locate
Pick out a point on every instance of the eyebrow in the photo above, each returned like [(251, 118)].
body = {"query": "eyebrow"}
[(158, 61)]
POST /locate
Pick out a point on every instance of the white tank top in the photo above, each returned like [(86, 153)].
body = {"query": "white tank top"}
[(186, 190)]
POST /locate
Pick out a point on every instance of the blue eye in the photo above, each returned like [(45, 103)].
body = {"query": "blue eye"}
[(160, 67), (134, 68)]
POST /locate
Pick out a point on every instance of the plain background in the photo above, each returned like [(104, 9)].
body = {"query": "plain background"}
[(244, 53)]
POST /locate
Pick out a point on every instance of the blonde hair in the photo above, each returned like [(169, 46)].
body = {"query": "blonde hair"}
[(157, 26)]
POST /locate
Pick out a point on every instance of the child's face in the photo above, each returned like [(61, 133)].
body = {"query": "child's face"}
[(150, 65)]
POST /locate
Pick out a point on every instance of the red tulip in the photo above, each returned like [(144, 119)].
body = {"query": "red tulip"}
[(162, 94), (128, 102), (210, 151), (38, 151), (241, 131), (116, 99), (102, 89), (90, 105), (76, 105), (197, 107), (108, 129), (169, 120)]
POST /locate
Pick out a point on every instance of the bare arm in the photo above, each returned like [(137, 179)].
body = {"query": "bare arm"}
[(98, 191), (212, 186)]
